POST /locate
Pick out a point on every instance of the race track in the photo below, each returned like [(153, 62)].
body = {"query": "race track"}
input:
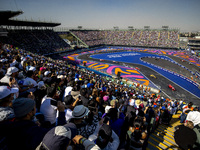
[(167, 68)]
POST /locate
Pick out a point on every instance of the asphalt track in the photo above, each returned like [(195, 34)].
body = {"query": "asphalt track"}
[(161, 81)]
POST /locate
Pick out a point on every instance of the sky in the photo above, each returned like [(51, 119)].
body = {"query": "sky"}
[(105, 14)]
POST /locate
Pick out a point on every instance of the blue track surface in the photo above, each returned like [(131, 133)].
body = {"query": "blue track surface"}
[(134, 57)]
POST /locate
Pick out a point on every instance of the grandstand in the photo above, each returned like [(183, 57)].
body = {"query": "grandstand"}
[(145, 38), (41, 39)]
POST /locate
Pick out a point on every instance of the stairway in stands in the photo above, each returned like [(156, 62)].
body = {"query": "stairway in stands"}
[(163, 136)]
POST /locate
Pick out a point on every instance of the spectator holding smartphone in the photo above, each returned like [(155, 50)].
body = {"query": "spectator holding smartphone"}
[(49, 108)]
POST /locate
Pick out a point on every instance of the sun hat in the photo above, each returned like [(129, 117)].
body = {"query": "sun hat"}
[(59, 137), (138, 102), (6, 90), (113, 102), (11, 70), (194, 116), (22, 106), (80, 111)]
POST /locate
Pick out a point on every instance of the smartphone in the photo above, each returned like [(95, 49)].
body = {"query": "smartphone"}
[(54, 103), (79, 96)]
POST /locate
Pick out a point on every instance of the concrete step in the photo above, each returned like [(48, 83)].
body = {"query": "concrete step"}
[(158, 143), (163, 136), (165, 140)]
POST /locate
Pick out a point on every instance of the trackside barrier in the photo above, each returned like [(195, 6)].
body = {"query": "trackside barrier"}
[(182, 76), (126, 81)]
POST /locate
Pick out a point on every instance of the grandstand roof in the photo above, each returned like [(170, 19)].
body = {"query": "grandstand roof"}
[(6, 15)]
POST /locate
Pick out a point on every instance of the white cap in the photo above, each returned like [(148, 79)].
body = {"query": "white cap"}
[(61, 77), (47, 72), (6, 90), (12, 70), (32, 68), (3, 60), (41, 84)]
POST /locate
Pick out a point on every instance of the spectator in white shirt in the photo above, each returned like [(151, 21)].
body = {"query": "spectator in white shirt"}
[(29, 81), (47, 108)]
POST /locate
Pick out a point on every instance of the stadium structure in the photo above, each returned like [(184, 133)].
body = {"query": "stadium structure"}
[(158, 48)]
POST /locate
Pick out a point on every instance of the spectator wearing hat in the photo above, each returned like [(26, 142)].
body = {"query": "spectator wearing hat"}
[(58, 138), (12, 72), (91, 120), (6, 98), (29, 81), (68, 89), (75, 91), (47, 76), (114, 103), (186, 109), (105, 138), (194, 117), (78, 114), (6, 111), (23, 133), (78, 118), (10, 80)]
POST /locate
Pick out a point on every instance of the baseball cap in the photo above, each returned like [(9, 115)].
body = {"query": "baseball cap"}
[(47, 72), (59, 137), (32, 68), (6, 90), (41, 85), (11, 70)]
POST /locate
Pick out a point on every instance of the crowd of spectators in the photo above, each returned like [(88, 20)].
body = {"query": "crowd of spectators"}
[(153, 38), (49, 104), (36, 41)]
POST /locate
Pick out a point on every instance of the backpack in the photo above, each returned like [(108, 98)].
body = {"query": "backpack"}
[(196, 146)]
